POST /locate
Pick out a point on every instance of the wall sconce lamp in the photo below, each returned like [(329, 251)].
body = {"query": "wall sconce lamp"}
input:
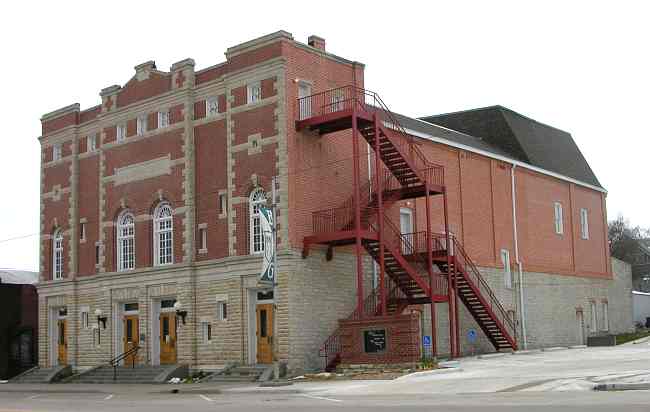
[(100, 318), (180, 313)]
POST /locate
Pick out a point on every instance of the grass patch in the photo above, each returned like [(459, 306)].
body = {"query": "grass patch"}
[(629, 337)]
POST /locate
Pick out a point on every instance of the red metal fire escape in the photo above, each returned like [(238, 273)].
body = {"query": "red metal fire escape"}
[(414, 268)]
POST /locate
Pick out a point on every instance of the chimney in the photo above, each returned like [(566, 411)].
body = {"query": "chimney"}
[(316, 42)]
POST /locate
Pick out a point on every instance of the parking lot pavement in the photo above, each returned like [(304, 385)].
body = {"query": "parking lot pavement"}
[(558, 370)]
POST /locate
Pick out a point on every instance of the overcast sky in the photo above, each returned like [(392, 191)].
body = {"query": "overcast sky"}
[(580, 66)]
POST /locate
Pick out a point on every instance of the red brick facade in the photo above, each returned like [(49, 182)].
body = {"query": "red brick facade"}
[(260, 142)]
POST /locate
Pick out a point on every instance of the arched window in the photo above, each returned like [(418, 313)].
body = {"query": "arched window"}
[(125, 241), (57, 254), (257, 199), (163, 235)]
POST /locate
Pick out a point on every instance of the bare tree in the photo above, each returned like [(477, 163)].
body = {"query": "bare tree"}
[(624, 239)]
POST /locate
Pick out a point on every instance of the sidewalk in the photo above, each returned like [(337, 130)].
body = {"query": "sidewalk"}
[(200, 388)]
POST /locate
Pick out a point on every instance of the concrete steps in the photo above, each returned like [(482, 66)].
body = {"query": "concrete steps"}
[(239, 374), (125, 374), (43, 375)]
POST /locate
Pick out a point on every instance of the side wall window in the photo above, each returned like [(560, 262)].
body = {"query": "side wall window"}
[(559, 224), (57, 255), (163, 235), (257, 199), (507, 271), (125, 241)]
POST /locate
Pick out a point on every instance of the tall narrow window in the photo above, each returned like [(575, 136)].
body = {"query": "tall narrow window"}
[(584, 224), (91, 143), (559, 224), (594, 317), (254, 92), (206, 332), (57, 254), (223, 204), (212, 106), (121, 132), (141, 125), (605, 315), (163, 119), (56, 152), (222, 310), (82, 232), (203, 238), (163, 234), (125, 241), (507, 272), (257, 199)]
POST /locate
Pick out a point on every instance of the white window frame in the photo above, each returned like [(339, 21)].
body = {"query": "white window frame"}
[(222, 310), (141, 125), (594, 316), (91, 143), (211, 106), (507, 270), (206, 332), (584, 224), (253, 92), (605, 315), (121, 132), (57, 152), (57, 255), (256, 199), (125, 241), (559, 218), (163, 119), (163, 236), (84, 317), (82, 231), (203, 236), (223, 204)]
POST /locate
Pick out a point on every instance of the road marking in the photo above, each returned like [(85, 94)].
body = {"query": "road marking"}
[(33, 396), (109, 397), (322, 398), (205, 398)]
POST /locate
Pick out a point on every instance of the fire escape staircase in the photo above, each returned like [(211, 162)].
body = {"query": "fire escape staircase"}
[(407, 174)]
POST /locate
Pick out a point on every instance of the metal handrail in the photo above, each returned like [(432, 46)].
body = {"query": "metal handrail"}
[(461, 257), (119, 358)]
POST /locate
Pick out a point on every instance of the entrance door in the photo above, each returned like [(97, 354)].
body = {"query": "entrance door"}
[(167, 338), (131, 337), (265, 333), (62, 341), (304, 90), (406, 227)]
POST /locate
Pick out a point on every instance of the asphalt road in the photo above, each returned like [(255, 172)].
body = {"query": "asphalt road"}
[(288, 401)]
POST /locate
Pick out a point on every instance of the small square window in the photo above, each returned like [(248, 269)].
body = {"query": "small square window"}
[(91, 143), (130, 307), (56, 152), (121, 132), (212, 106), (254, 91), (141, 125), (163, 119)]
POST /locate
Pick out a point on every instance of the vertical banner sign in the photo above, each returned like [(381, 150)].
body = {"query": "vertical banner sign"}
[(267, 227)]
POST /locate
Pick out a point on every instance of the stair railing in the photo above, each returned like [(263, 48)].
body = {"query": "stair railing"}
[(119, 358), (474, 276)]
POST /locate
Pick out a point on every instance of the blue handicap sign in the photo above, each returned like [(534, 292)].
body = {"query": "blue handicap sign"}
[(471, 335), (426, 340)]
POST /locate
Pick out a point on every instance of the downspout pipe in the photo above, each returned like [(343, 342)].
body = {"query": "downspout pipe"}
[(517, 259)]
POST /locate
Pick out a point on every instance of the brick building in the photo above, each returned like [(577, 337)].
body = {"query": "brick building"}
[(149, 210)]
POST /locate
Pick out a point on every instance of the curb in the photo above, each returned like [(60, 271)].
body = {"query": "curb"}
[(492, 355), (607, 387), (578, 347), (554, 349), (449, 364), (527, 352), (434, 372)]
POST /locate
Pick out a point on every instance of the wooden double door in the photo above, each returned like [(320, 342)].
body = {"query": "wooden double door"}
[(264, 315), (167, 338)]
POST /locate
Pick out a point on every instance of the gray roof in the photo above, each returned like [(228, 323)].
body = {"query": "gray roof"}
[(19, 277), (501, 130)]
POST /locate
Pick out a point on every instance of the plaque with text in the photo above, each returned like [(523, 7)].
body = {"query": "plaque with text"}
[(374, 340)]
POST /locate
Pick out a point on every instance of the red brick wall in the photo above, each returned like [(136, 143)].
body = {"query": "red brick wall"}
[(136, 90), (402, 340), (89, 210), (211, 176), (55, 124)]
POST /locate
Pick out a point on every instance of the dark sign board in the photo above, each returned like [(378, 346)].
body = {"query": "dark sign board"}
[(374, 340)]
